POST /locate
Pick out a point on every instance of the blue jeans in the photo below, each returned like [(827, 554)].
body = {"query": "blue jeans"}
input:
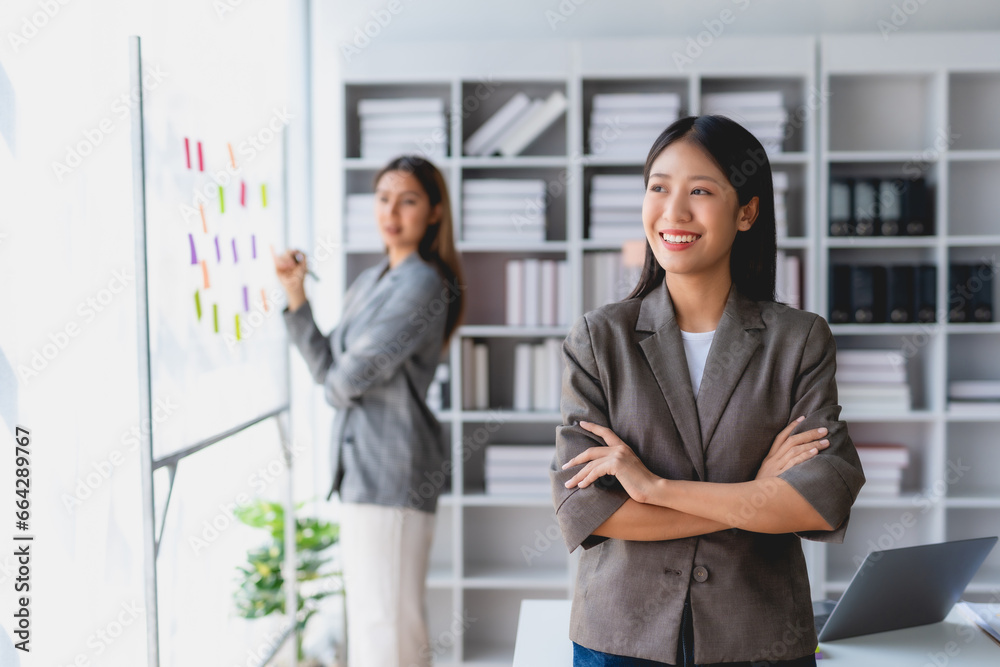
[(585, 657)]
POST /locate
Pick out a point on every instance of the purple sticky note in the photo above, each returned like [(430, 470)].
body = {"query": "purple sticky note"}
[(235, 258), (246, 300), (218, 253), (253, 245), (194, 255)]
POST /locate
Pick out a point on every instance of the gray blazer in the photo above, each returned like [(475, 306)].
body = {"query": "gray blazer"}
[(625, 368), (375, 366)]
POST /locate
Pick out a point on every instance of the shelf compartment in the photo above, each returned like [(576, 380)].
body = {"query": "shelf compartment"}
[(478, 109), (355, 92), (973, 99), (877, 529), (917, 351), (516, 543), (478, 437), (972, 452), (794, 97), (973, 288), (971, 207), (864, 113), (591, 87), (490, 638), (905, 170), (554, 200), (965, 524), (919, 439), (484, 275)]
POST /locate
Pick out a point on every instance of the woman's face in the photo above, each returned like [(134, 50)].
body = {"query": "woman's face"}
[(402, 210), (691, 212)]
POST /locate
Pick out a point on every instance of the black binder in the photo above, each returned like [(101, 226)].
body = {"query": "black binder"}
[(981, 286), (925, 293), (899, 294), (840, 294), (958, 293), (868, 294), (841, 207)]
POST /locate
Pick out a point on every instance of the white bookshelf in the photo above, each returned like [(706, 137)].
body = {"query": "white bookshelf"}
[(479, 565), (920, 103)]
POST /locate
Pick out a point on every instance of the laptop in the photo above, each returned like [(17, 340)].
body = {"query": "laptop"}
[(902, 588)]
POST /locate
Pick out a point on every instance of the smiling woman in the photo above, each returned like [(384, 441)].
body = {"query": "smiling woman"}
[(701, 434)]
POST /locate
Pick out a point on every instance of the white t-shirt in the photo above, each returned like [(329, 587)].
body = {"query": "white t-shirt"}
[(696, 346)]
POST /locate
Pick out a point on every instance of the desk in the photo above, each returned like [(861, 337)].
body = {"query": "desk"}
[(543, 628)]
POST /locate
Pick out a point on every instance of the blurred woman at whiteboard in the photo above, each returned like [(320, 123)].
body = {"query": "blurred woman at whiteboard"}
[(390, 456)]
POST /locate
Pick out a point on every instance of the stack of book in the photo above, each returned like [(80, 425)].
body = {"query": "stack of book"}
[(534, 289), (475, 375), (504, 210), (360, 227), (871, 206), (521, 470), (974, 396), (780, 181), (616, 207), (872, 381), (883, 464), (607, 278), (625, 125), (761, 112), (393, 127), (516, 125), (871, 294), (788, 279), (538, 375)]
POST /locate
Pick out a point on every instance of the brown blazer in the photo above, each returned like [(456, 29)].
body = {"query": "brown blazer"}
[(626, 369)]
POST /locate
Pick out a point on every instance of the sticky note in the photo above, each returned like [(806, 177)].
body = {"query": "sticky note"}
[(215, 316), (232, 158), (263, 195), (194, 254), (237, 326), (187, 152), (197, 304), (235, 258), (243, 193), (204, 225), (218, 253), (222, 200), (201, 159), (253, 245), (246, 300), (263, 298), (204, 272)]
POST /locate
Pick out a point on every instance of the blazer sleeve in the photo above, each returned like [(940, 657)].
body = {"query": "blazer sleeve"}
[(831, 480), (400, 327), (580, 511)]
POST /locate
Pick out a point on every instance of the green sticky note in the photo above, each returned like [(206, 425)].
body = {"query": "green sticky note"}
[(263, 194), (222, 200), (215, 316), (197, 304), (237, 326)]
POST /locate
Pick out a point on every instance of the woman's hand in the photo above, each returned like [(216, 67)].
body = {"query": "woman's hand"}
[(616, 459), (292, 275), (790, 450)]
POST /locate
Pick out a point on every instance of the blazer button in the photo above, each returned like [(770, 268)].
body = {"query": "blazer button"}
[(700, 574)]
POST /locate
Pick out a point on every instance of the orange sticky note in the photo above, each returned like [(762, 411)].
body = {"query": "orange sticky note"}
[(204, 225), (263, 298), (232, 158), (204, 272)]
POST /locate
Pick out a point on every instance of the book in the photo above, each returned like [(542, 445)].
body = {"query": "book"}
[(481, 354), (868, 294), (515, 292), (522, 376), (890, 359), (562, 280), (468, 375), (540, 378), (549, 292), (518, 488), (529, 128), (629, 101), (400, 105), (530, 296), (865, 201), (900, 282), (974, 390), (528, 187), (408, 121), (496, 124), (742, 100), (626, 182), (493, 144), (841, 207), (882, 453)]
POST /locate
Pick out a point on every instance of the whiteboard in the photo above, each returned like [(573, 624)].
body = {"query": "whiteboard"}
[(215, 214)]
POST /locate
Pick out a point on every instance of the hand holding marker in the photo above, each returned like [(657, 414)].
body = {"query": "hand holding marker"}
[(300, 257)]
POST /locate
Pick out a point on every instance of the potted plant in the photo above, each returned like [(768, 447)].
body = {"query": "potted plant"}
[(261, 589)]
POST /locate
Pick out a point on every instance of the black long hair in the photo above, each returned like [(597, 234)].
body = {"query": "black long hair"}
[(744, 162), (437, 247)]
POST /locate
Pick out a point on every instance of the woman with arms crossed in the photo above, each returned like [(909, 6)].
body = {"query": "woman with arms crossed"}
[(701, 435), (375, 367)]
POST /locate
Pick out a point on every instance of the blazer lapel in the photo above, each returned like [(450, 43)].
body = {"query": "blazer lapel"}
[(736, 339), (664, 352)]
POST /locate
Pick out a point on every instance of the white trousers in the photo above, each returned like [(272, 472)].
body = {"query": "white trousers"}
[(386, 553)]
